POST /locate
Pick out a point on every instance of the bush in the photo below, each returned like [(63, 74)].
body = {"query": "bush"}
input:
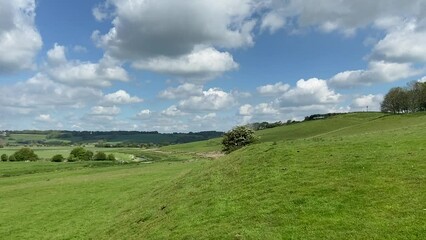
[(12, 158), (111, 157), (58, 158), (88, 155), (77, 154), (100, 156), (237, 138), (4, 158), (25, 154)]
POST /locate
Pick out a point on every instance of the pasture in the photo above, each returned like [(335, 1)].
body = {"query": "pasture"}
[(356, 176)]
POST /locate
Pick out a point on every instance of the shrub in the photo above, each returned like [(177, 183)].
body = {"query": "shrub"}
[(58, 158), (237, 138), (100, 156), (25, 154), (88, 155), (111, 157), (12, 158), (4, 157), (77, 154)]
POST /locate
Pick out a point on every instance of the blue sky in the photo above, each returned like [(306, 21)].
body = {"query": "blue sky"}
[(171, 65)]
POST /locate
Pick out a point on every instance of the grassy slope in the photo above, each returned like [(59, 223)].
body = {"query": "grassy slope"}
[(290, 132), (76, 203), (356, 176), (361, 180)]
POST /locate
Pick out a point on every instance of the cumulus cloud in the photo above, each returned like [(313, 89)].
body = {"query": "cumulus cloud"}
[(19, 38), (377, 72), (347, 15), (199, 65), (182, 91), (371, 101), (211, 100), (144, 114), (404, 43), (74, 72), (309, 92), (206, 117), (260, 109), (272, 21), (142, 31), (121, 97), (30, 96), (172, 111), (105, 111), (273, 89), (45, 118), (144, 28)]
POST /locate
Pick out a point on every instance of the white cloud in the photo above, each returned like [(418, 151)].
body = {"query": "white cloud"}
[(422, 80), (272, 21), (144, 28), (273, 89), (260, 109), (56, 55), (45, 118), (371, 101), (246, 110), (404, 43), (348, 15), (142, 32), (121, 97), (378, 72), (211, 100), (199, 65), (39, 93), (75, 72), (206, 117), (19, 38), (144, 114), (172, 111), (183, 91), (105, 111), (309, 92)]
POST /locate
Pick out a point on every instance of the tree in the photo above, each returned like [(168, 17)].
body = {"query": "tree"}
[(58, 158), (396, 101), (100, 156), (4, 157), (237, 138), (12, 158), (25, 154)]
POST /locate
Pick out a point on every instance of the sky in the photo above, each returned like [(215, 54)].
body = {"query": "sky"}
[(180, 66)]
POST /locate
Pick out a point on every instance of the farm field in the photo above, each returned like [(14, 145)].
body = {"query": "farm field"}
[(356, 176), (46, 153)]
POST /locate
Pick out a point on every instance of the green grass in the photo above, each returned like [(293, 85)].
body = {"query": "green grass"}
[(211, 145), (368, 185), (78, 203), (355, 176), (28, 137), (46, 153)]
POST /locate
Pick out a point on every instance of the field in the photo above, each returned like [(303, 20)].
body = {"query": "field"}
[(354, 176)]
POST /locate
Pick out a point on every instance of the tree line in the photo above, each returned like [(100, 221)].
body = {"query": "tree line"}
[(409, 99), (77, 154)]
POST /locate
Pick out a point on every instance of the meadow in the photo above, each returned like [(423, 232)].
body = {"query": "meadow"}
[(356, 176)]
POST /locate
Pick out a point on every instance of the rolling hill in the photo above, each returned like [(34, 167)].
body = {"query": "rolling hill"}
[(356, 176)]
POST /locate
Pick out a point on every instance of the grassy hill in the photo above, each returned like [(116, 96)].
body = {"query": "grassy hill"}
[(356, 176)]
